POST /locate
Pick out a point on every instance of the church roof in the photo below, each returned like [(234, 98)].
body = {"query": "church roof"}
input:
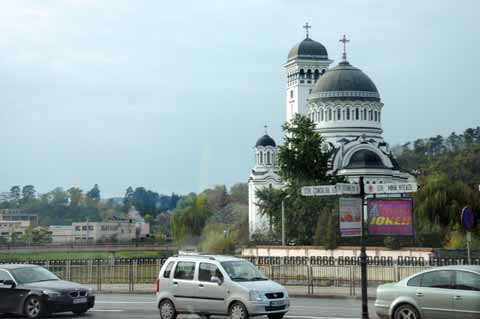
[(308, 49), (345, 82), (265, 140), (365, 159)]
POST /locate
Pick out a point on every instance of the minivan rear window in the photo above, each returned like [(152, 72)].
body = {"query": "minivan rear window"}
[(184, 270), (168, 270)]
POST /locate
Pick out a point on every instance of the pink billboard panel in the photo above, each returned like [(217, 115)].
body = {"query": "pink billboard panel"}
[(390, 217)]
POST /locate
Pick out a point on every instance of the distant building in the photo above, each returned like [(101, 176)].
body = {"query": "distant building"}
[(11, 229), (18, 215), (104, 231), (61, 233)]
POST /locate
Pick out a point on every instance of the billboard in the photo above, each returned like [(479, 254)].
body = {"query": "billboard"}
[(390, 217), (350, 214)]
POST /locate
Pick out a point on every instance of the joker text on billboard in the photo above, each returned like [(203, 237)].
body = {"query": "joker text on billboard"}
[(390, 217)]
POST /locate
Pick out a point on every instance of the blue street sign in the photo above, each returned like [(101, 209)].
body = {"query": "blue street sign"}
[(468, 218)]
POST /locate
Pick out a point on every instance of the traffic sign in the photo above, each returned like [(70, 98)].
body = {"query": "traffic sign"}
[(392, 188), (468, 218), (331, 190)]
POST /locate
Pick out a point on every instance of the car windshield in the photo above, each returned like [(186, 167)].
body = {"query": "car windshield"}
[(242, 271), (30, 275)]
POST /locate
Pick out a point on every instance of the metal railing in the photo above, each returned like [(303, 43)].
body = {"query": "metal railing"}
[(140, 275)]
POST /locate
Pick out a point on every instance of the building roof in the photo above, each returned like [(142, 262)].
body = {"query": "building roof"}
[(345, 82), (265, 140), (308, 49), (365, 159)]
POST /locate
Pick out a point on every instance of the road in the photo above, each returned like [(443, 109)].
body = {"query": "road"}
[(125, 306)]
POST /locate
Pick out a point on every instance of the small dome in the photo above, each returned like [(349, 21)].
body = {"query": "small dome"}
[(345, 82), (365, 159), (308, 49), (265, 140)]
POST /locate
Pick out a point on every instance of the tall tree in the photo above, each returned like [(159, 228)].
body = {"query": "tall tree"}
[(94, 193), (76, 196), (15, 194), (28, 194), (303, 160), (128, 198)]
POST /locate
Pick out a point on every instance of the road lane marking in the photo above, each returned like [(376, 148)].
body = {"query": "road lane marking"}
[(309, 317)]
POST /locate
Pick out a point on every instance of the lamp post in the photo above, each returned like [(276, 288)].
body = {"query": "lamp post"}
[(283, 222)]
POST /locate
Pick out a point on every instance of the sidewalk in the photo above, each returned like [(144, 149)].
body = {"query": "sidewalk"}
[(293, 291)]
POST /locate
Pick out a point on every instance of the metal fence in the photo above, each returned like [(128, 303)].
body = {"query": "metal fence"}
[(139, 275)]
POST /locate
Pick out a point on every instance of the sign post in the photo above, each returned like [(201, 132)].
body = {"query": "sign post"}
[(362, 190), (468, 222)]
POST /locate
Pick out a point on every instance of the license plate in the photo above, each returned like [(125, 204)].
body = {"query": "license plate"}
[(277, 303), (80, 300)]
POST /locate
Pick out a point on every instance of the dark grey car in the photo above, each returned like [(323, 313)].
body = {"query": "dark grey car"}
[(32, 291), (439, 293)]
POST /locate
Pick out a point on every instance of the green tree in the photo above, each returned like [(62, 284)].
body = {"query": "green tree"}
[(94, 193), (303, 160), (75, 195), (128, 199), (189, 218), (15, 194), (239, 193)]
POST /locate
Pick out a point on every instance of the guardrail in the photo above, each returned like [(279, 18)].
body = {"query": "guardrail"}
[(139, 275)]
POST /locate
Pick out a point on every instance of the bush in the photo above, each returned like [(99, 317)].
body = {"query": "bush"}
[(218, 242), (392, 243)]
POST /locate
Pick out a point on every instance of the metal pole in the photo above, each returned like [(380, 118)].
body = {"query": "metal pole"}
[(363, 256), (283, 223), (469, 238)]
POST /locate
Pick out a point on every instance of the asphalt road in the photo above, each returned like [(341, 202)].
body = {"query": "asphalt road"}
[(125, 306)]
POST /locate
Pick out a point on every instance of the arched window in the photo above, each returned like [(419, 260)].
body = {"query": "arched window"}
[(379, 116), (309, 74), (357, 115), (343, 114), (316, 75), (321, 115), (334, 115), (339, 115), (268, 158), (302, 74), (370, 116), (376, 116), (364, 117), (291, 94), (348, 114), (329, 114), (323, 71), (261, 157)]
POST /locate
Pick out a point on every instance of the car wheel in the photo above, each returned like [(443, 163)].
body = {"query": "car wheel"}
[(238, 311), (167, 310), (79, 312), (276, 316), (32, 307), (406, 312)]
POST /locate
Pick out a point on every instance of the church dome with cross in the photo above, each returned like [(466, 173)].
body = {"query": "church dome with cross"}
[(308, 49)]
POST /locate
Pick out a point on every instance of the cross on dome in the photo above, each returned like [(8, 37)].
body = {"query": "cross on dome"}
[(266, 126), (344, 40), (306, 27)]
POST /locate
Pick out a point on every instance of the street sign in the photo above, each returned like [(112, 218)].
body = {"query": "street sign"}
[(393, 188), (331, 190), (468, 218)]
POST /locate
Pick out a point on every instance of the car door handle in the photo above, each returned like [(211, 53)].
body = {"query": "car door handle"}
[(419, 294), (200, 285), (457, 298), (175, 283)]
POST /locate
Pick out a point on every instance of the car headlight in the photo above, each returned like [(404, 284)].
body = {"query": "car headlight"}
[(256, 296), (91, 292), (52, 293)]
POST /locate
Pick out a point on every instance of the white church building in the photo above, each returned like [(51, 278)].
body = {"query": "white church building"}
[(346, 108)]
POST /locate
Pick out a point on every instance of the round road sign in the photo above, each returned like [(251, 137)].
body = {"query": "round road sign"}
[(468, 218)]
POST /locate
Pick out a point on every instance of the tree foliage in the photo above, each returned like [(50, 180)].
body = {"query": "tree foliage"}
[(303, 161)]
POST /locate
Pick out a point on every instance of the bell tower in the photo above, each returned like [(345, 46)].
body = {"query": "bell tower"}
[(306, 63)]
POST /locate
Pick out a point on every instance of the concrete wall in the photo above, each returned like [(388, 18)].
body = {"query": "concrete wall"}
[(309, 251)]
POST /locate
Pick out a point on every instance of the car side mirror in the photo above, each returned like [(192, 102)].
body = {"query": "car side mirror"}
[(216, 279), (9, 282)]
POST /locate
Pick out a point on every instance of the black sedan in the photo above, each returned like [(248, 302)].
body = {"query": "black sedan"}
[(33, 291)]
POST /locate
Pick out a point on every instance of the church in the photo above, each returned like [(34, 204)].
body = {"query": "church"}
[(345, 106)]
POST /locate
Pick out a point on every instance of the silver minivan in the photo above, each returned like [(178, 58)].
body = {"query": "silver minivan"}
[(217, 285)]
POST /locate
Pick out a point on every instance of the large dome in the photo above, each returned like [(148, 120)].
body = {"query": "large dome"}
[(345, 82), (308, 49)]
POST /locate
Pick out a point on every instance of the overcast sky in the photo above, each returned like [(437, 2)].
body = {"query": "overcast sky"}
[(172, 95)]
